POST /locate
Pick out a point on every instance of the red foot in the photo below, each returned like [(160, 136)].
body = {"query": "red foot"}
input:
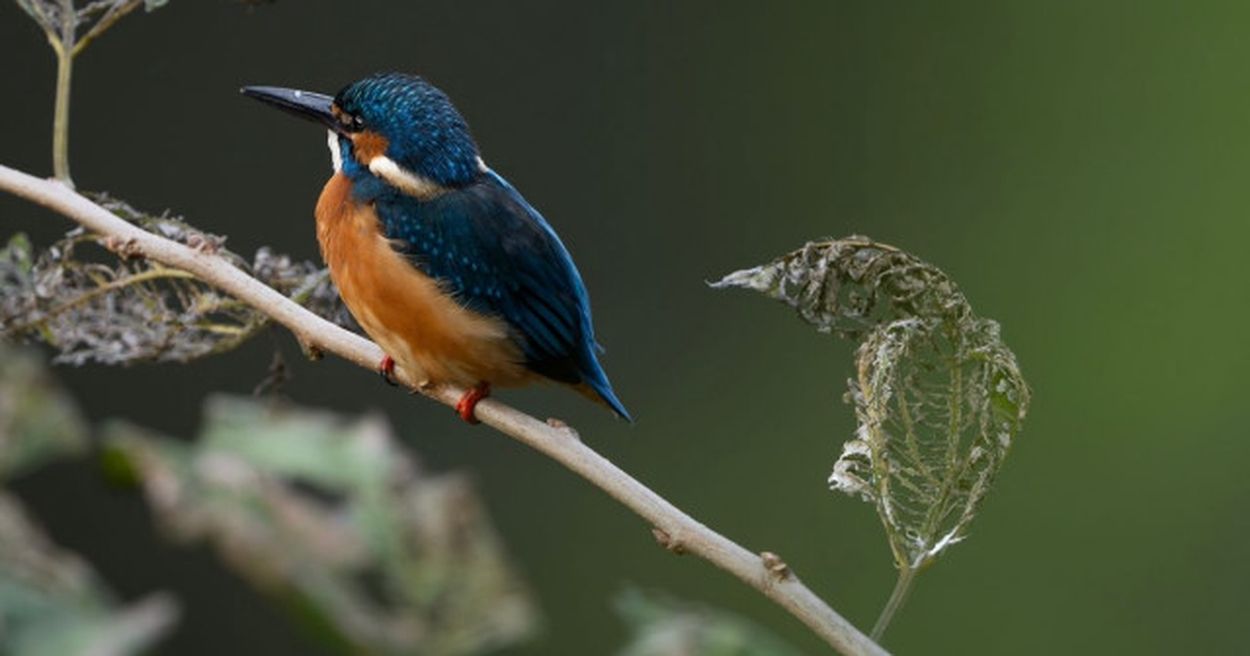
[(468, 403), (386, 369)]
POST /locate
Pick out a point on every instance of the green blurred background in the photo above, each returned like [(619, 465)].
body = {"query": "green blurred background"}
[(1078, 167)]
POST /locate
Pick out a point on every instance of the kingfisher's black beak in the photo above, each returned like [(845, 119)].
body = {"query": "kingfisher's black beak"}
[(306, 104)]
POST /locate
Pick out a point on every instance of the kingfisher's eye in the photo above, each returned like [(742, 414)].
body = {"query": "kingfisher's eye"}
[(350, 122)]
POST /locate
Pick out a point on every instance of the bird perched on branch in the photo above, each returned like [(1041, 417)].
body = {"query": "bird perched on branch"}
[(440, 260)]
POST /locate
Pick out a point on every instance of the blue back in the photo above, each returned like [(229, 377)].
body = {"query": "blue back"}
[(496, 254)]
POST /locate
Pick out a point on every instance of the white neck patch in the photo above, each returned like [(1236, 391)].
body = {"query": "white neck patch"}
[(406, 181), (336, 153)]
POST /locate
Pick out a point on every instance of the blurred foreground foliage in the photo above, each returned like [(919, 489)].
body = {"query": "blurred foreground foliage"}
[(332, 516), (94, 305), (51, 602), (938, 395), (326, 514), (661, 626), (39, 421)]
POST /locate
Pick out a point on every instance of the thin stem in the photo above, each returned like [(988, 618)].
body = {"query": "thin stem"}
[(902, 587), (64, 48), (155, 273), (67, 46), (60, 120), (673, 528)]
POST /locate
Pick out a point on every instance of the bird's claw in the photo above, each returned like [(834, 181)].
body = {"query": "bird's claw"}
[(467, 404), (386, 369)]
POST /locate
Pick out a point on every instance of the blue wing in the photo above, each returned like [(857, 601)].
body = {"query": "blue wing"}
[(499, 257)]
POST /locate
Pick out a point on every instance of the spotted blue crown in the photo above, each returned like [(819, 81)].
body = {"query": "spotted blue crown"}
[(424, 132)]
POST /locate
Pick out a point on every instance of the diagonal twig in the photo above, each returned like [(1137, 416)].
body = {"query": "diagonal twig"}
[(673, 528)]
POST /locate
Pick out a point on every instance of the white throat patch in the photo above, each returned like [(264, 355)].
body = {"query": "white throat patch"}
[(406, 181), (336, 153)]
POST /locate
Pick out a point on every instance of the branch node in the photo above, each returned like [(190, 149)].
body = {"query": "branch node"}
[(201, 243), (125, 248), (311, 350), (668, 541), (564, 428), (776, 567)]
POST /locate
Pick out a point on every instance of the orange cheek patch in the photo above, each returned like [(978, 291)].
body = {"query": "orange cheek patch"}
[(368, 145)]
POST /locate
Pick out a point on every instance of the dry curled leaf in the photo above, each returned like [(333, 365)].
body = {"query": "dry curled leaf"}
[(98, 300), (51, 601), (938, 396)]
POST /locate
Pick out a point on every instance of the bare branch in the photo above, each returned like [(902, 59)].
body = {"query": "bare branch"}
[(682, 532)]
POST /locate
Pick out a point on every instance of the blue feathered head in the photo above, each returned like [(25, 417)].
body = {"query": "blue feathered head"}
[(409, 121), (389, 129), (412, 123)]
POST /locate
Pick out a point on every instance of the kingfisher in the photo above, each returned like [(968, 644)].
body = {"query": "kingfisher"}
[(440, 260)]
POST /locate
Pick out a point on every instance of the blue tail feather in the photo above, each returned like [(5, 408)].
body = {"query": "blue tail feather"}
[(598, 381)]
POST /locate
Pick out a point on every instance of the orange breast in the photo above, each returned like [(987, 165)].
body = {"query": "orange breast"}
[(406, 312)]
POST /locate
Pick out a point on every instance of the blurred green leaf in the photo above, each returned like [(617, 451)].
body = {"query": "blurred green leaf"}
[(335, 516), (938, 396), (38, 420), (660, 626), (52, 604)]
